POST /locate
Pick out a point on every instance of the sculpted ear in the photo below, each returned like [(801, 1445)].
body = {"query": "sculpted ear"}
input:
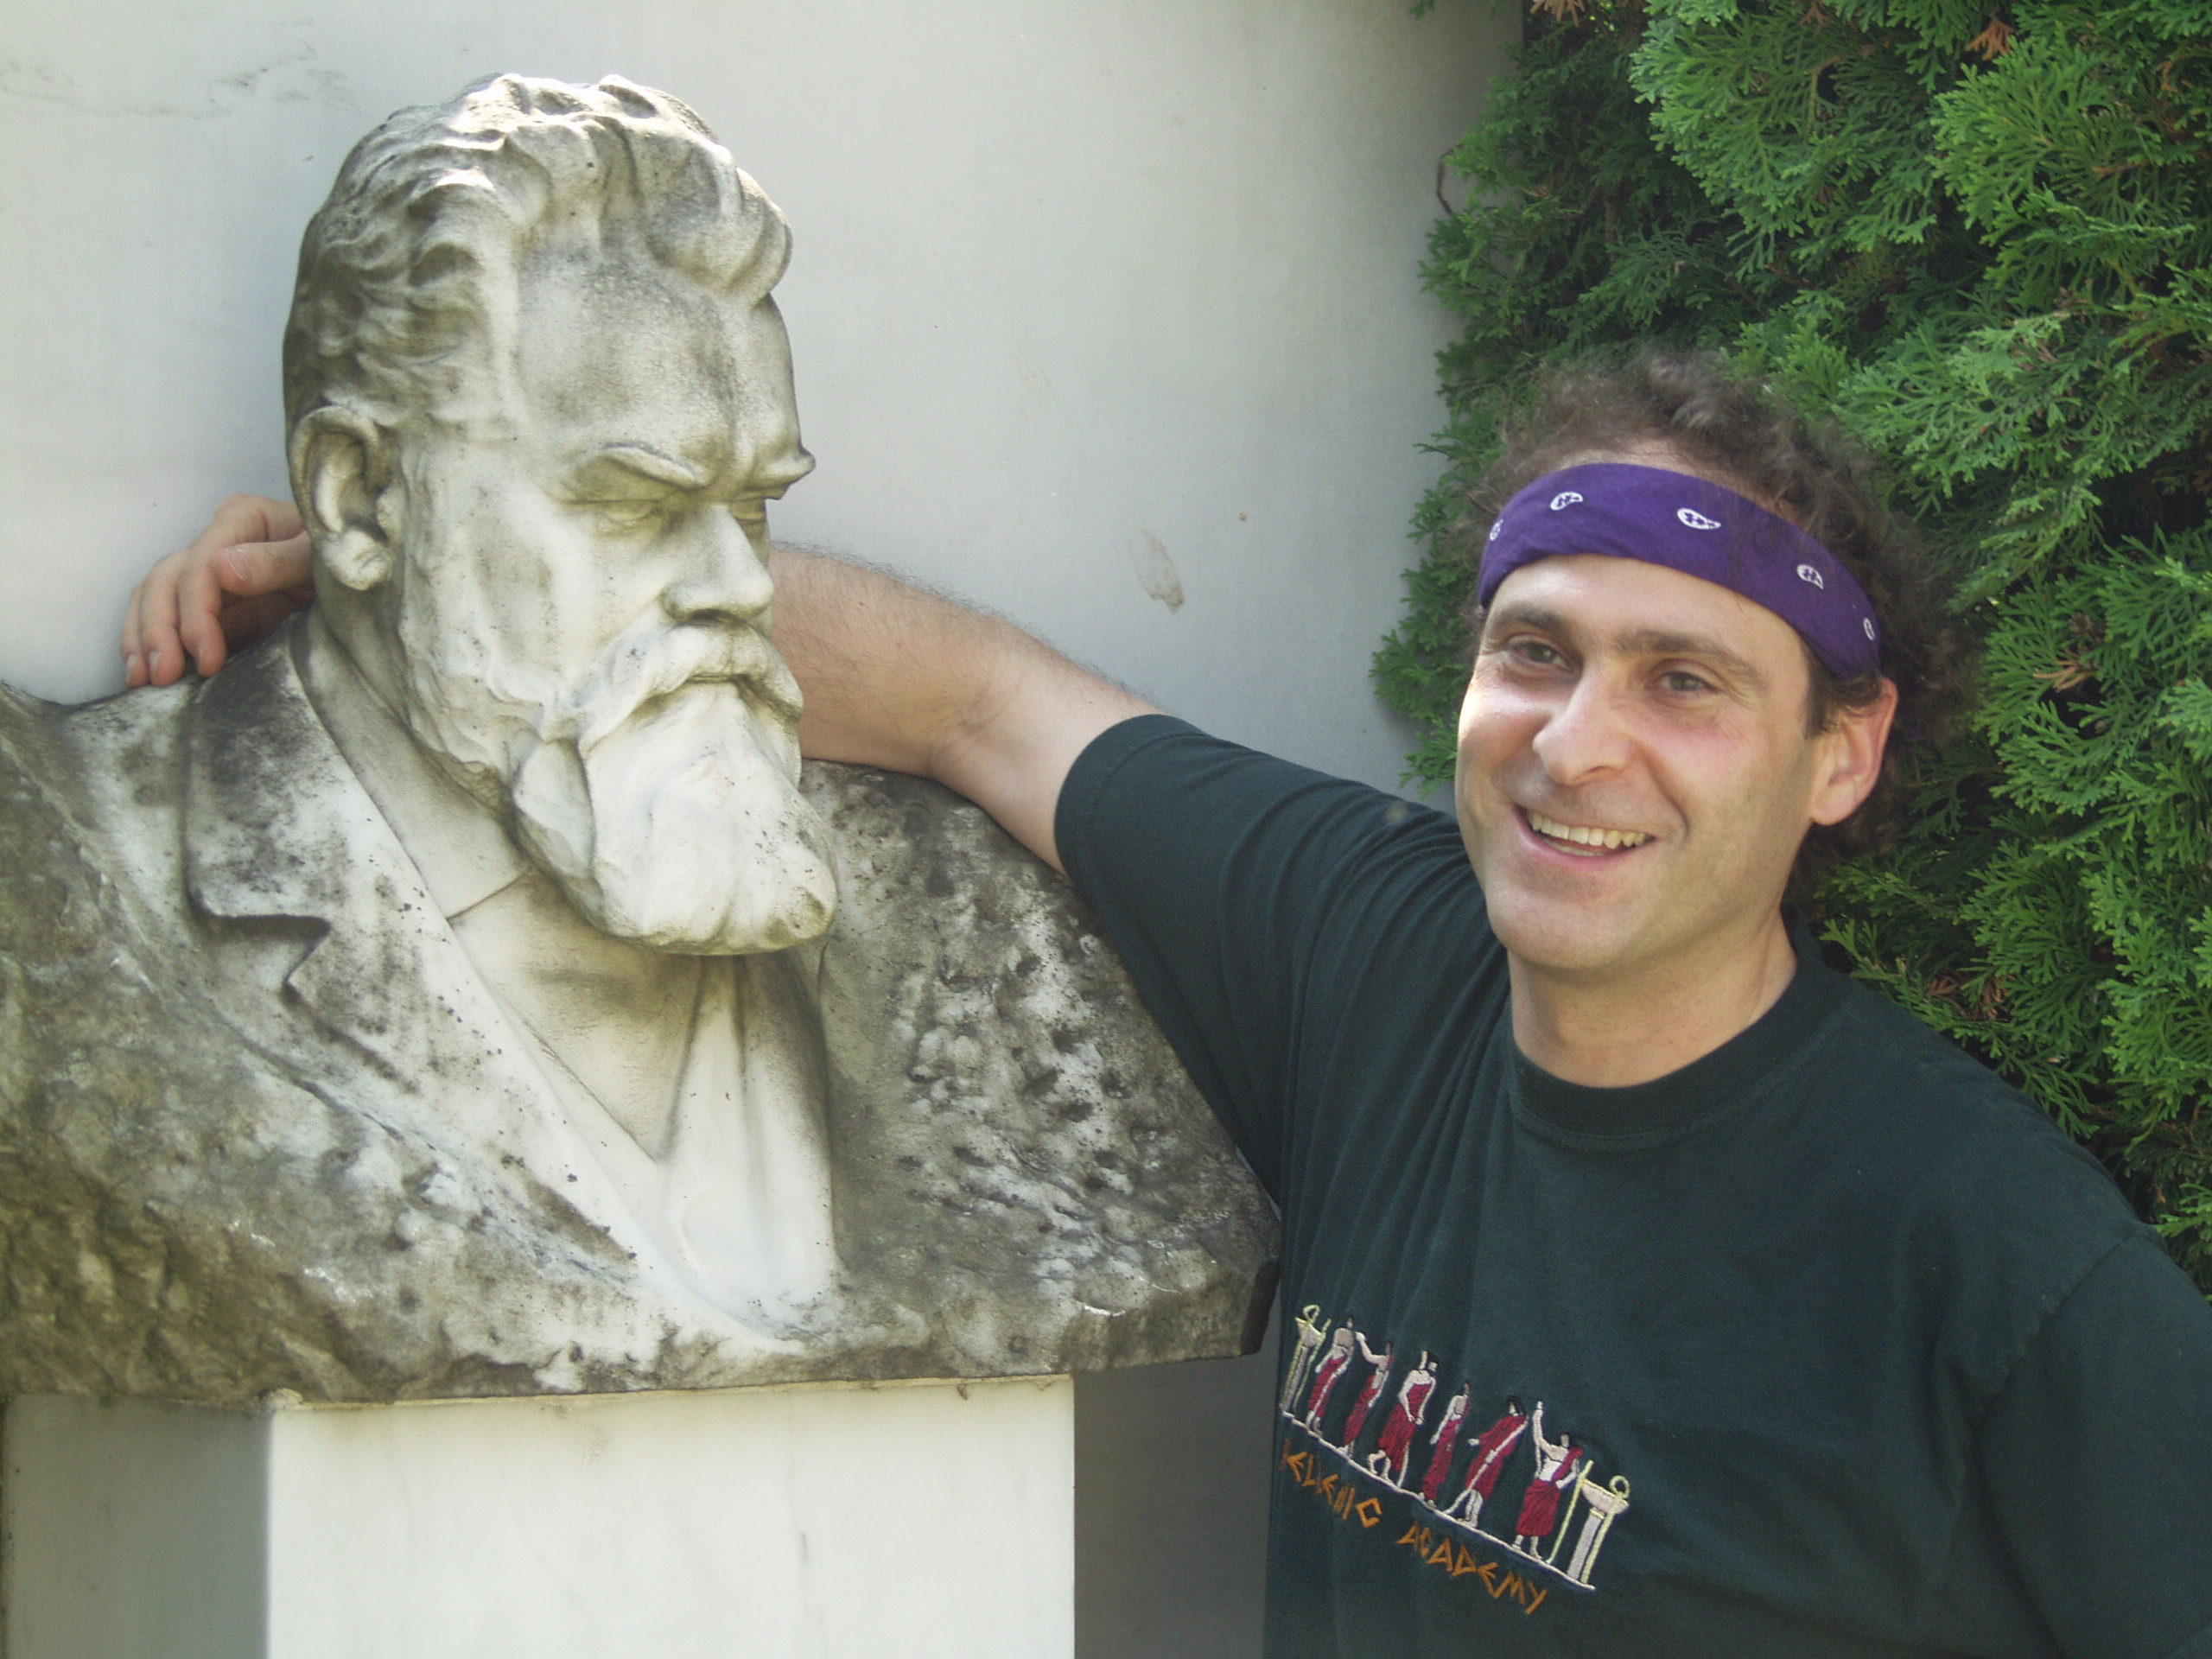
[(341, 473)]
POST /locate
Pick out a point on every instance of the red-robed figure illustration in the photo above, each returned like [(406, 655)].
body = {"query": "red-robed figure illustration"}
[(1445, 1444), (1396, 1443), (1491, 1452), (1556, 1467), (1377, 1380), (1325, 1375)]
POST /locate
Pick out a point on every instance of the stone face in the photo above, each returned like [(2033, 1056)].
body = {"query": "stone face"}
[(207, 1194), (467, 993)]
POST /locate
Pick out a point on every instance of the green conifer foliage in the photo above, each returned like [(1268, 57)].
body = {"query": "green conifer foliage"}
[(1981, 235)]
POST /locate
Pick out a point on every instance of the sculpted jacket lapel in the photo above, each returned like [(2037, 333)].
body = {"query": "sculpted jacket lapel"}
[(277, 829), (326, 953)]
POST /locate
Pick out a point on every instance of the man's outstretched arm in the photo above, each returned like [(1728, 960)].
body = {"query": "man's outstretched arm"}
[(904, 680), (893, 678)]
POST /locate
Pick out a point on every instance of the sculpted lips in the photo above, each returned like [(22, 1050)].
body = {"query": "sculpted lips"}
[(1584, 839)]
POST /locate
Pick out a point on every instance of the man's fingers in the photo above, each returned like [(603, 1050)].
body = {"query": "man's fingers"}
[(248, 570), (230, 597), (134, 666), (252, 569), (199, 601), (160, 652), (253, 546), (135, 617), (245, 520)]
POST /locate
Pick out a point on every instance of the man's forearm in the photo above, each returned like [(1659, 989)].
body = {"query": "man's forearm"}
[(901, 679)]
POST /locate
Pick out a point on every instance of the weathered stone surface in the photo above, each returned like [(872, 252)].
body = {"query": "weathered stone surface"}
[(466, 993), (206, 1194)]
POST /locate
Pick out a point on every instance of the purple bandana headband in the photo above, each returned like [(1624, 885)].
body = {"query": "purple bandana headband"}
[(1688, 524)]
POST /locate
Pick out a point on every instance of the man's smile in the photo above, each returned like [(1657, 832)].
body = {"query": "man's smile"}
[(1588, 841)]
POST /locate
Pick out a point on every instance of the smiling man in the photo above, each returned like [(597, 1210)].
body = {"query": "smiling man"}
[(1756, 1320), (1638, 768)]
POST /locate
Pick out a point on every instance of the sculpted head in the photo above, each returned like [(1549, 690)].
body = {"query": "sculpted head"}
[(537, 395)]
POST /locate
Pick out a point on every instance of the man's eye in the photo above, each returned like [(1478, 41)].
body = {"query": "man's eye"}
[(1536, 652), (1683, 683)]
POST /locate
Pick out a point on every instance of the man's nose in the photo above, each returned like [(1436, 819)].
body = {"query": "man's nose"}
[(723, 578), (1587, 736)]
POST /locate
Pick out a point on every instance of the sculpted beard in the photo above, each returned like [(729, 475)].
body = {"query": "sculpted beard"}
[(661, 791)]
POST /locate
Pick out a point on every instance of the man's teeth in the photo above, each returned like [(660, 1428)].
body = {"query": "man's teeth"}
[(1587, 837)]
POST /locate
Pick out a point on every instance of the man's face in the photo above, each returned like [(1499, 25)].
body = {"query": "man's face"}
[(583, 605), (1635, 775)]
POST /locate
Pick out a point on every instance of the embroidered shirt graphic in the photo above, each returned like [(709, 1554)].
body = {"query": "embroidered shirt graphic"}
[(1391, 1450), (1371, 1390), (1444, 1443), (1554, 1516)]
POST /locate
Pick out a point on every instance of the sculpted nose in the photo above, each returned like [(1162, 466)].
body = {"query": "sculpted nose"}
[(723, 578)]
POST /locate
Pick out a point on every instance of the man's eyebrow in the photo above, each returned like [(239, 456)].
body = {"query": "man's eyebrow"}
[(649, 462), (1657, 642), (1641, 642), (1525, 616)]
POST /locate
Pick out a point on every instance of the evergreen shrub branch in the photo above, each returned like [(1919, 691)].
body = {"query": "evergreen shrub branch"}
[(1982, 235)]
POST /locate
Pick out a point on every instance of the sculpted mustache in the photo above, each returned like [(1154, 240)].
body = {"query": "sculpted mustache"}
[(629, 677)]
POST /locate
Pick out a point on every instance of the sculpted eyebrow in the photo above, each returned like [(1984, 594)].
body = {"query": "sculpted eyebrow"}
[(646, 463)]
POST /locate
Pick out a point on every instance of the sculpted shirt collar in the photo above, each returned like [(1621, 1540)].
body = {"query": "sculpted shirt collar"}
[(461, 848)]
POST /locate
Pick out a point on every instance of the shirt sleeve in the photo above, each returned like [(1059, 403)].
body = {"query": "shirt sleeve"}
[(1222, 876), (2098, 1451)]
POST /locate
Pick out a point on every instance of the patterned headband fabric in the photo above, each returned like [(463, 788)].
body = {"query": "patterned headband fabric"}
[(1689, 525)]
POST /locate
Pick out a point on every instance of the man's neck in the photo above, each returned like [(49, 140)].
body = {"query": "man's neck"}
[(1631, 1030)]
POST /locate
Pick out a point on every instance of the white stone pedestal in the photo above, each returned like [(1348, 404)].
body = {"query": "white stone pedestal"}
[(920, 1519)]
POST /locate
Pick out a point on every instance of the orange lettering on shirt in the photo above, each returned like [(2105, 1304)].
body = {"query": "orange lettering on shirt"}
[(1370, 1511), (1541, 1593)]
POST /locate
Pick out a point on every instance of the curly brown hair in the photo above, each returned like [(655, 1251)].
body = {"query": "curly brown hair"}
[(1743, 435)]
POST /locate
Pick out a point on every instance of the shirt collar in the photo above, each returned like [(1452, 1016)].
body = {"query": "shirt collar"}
[(1648, 1113)]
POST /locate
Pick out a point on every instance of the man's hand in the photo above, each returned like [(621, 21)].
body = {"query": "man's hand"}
[(242, 575)]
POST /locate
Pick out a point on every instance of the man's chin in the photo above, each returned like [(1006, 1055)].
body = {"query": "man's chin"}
[(1564, 940)]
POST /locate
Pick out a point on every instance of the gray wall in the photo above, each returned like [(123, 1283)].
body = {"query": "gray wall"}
[(1093, 301)]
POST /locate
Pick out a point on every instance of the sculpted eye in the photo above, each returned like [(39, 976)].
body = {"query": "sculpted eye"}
[(626, 515)]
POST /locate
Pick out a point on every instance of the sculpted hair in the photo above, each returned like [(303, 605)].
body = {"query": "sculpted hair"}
[(393, 309), (1744, 436)]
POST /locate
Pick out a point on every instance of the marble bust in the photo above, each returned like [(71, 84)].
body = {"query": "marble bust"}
[(468, 991)]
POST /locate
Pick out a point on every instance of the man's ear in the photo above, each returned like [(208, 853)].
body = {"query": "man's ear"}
[(341, 471), (1851, 757)]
